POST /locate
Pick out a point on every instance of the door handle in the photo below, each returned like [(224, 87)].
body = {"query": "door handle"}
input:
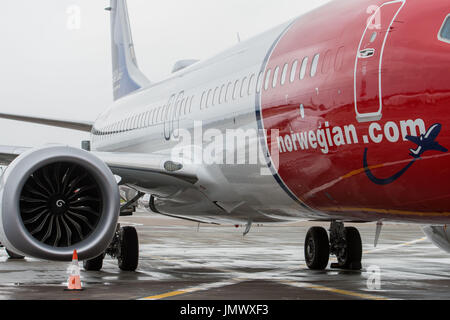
[(366, 53)]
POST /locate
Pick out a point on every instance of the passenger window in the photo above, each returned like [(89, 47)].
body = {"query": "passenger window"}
[(208, 98), (314, 65), (183, 109), (275, 77), (201, 100), (444, 34), (339, 61), (258, 82), (293, 71), (266, 84), (326, 62), (190, 104), (303, 68), (243, 86), (235, 89), (178, 108), (161, 116), (250, 84), (215, 96), (222, 91), (228, 92), (284, 73), (158, 113)]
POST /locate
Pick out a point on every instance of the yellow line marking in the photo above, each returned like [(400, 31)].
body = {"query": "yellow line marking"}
[(348, 293), (333, 290), (202, 287), (165, 295)]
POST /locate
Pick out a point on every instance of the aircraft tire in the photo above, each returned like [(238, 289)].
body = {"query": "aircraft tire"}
[(353, 252), (317, 248), (128, 257), (94, 264)]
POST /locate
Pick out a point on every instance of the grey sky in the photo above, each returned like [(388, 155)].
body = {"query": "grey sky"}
[(49, 67)]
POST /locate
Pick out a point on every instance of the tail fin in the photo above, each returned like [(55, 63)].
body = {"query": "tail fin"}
[(127, 77)]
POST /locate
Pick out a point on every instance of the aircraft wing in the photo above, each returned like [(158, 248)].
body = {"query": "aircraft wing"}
[(149, 171), (9, 153), (61, 123)]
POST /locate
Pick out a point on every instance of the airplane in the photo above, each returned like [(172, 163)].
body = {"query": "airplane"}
[(272, 130), (427, 142)]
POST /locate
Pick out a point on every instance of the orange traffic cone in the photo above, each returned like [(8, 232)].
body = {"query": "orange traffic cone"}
[(74, 282)]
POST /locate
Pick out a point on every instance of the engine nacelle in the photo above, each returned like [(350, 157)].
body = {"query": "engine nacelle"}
[(56, 199), (439, 235)]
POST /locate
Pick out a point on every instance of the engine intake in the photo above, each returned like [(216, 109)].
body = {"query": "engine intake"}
[(56, 199)]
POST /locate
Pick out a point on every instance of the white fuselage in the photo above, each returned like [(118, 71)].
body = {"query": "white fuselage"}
[(142, 122)]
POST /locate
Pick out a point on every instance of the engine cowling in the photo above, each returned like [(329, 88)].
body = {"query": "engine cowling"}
[(439, 235), (56, 199)]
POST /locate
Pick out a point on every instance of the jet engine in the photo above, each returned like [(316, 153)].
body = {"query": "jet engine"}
[(439, 235), (56, 199)]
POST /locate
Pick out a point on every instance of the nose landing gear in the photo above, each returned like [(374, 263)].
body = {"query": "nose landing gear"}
[(345, 243)]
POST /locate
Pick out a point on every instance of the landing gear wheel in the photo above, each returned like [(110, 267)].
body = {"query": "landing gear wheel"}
[(350, 258), (94, 264), (128, 255), (13, 255), (317, 248)]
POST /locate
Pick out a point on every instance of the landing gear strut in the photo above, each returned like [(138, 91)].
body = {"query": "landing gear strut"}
[(124, 247), (345, 243)]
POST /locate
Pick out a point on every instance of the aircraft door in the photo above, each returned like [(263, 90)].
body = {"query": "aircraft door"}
[(176, 114), (168, 114), (369, 58)]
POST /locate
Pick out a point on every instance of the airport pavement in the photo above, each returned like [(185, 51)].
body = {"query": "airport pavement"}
[(181, 261)]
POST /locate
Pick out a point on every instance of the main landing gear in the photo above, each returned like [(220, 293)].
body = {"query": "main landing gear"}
[(124, 247), (344, 242)]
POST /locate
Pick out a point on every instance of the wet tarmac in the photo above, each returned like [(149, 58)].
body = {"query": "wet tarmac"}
[(179, 260)]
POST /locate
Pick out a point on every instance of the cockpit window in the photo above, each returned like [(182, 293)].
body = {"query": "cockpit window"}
[(444, 33)]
